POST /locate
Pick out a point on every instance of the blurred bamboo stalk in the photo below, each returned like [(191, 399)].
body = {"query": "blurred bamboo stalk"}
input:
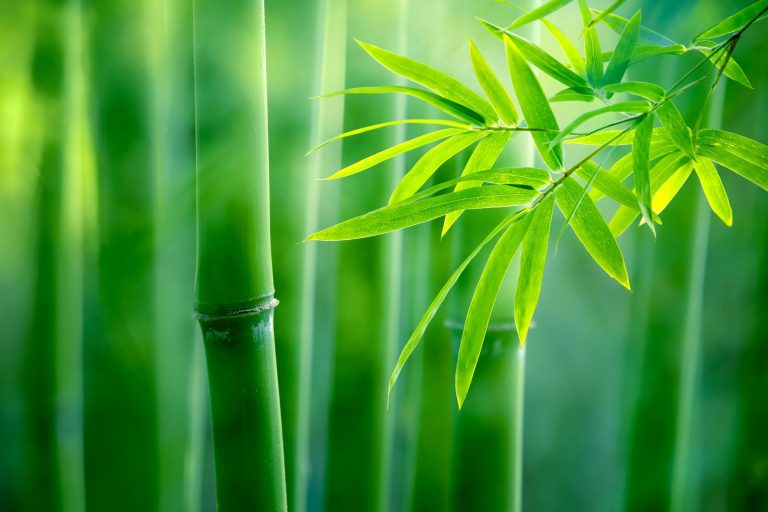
[(319, 265), (234, 288), (121, 417)]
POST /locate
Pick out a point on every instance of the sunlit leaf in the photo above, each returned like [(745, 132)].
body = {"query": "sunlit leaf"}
[(647, 90), (571, 52), (583, 94), (608, 10), (622, 54), (483, 157), (607, 184), (732, 68), (528, 177), (494, 90), (641, 149), (735, 22), (535, 107), (538, 57), (743, 147), (540, 12), (633, 107), (675, 125), (409, 213), (429, 314), (665, 186), (428, 164), (591, 230), (714, 190), (483, 300), (533, 256), (444, 85), (754, 173), (399, 149), (366, 129), (449, 107), (591, 47)]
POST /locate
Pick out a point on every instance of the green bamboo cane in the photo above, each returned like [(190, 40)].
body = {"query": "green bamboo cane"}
[(120, 393), (39, 362), (319, 262), (234, 288)]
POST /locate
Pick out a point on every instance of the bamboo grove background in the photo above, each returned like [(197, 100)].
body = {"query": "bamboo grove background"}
[(88, 257)]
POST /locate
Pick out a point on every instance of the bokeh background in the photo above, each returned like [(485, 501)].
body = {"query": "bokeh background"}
[(604, 366)]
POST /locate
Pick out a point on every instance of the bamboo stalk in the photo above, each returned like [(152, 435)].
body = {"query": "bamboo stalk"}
[(319, 262), (120, 400), (234, 288)]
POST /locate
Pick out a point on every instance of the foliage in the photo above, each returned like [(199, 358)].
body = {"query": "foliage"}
[(663, 151)]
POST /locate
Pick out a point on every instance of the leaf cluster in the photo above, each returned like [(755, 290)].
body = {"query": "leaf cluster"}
[(661, 151)]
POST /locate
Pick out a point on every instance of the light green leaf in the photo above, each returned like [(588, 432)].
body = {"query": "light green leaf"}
[(591, 47), (533, 256), (647, 90), (665, 187), (743, 147), (591, 229), (449, 107), (399, 149), (714, 190), (538, 13), (634, 107), (615, 5), (732, 69), (584, 94), (409, 213), (358, 131), (641, 149), (494, 90), (607, 184), (538, 57), (645, 52), (535, 107), (428, 164), (444, 85), (754, 173), (483, 157), (483, 300), (618, 24), (429, 314), (675, 125), (734, 22), (527, 177), (571, 52), (620, 58)]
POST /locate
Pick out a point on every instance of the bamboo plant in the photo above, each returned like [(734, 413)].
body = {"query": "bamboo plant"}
[(234, 289), (656, 149)]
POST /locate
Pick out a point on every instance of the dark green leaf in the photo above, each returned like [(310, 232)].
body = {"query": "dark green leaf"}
[(591, 229), (428, 164), (483, 300), (735, 22), (444, 85), (619, 62), (641, 149), (533, 256), (676, 128), (493, 88), (714, 190), (410, 213), (535, 107)]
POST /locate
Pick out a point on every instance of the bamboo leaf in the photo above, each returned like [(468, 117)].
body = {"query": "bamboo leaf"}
[(483, 157), (571, 52), (591, 47), (636, 107), (732, 68), (403, 147), (538, 57), (607, 184), (409, 213), (597, 19), (533, 256), (743, 147), (539, 13), (527, 177), (665, 186), (535, 107), (358, 131), (449, 107), (444, 85), (618, 24), (620, 58), (754, 173), (675, 125), (483, 300), (494, 90), (641, 149), (591, 230), (735, 22), (647, 90), (714, 190), (429, 314), (426, 166), (584, 94)]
